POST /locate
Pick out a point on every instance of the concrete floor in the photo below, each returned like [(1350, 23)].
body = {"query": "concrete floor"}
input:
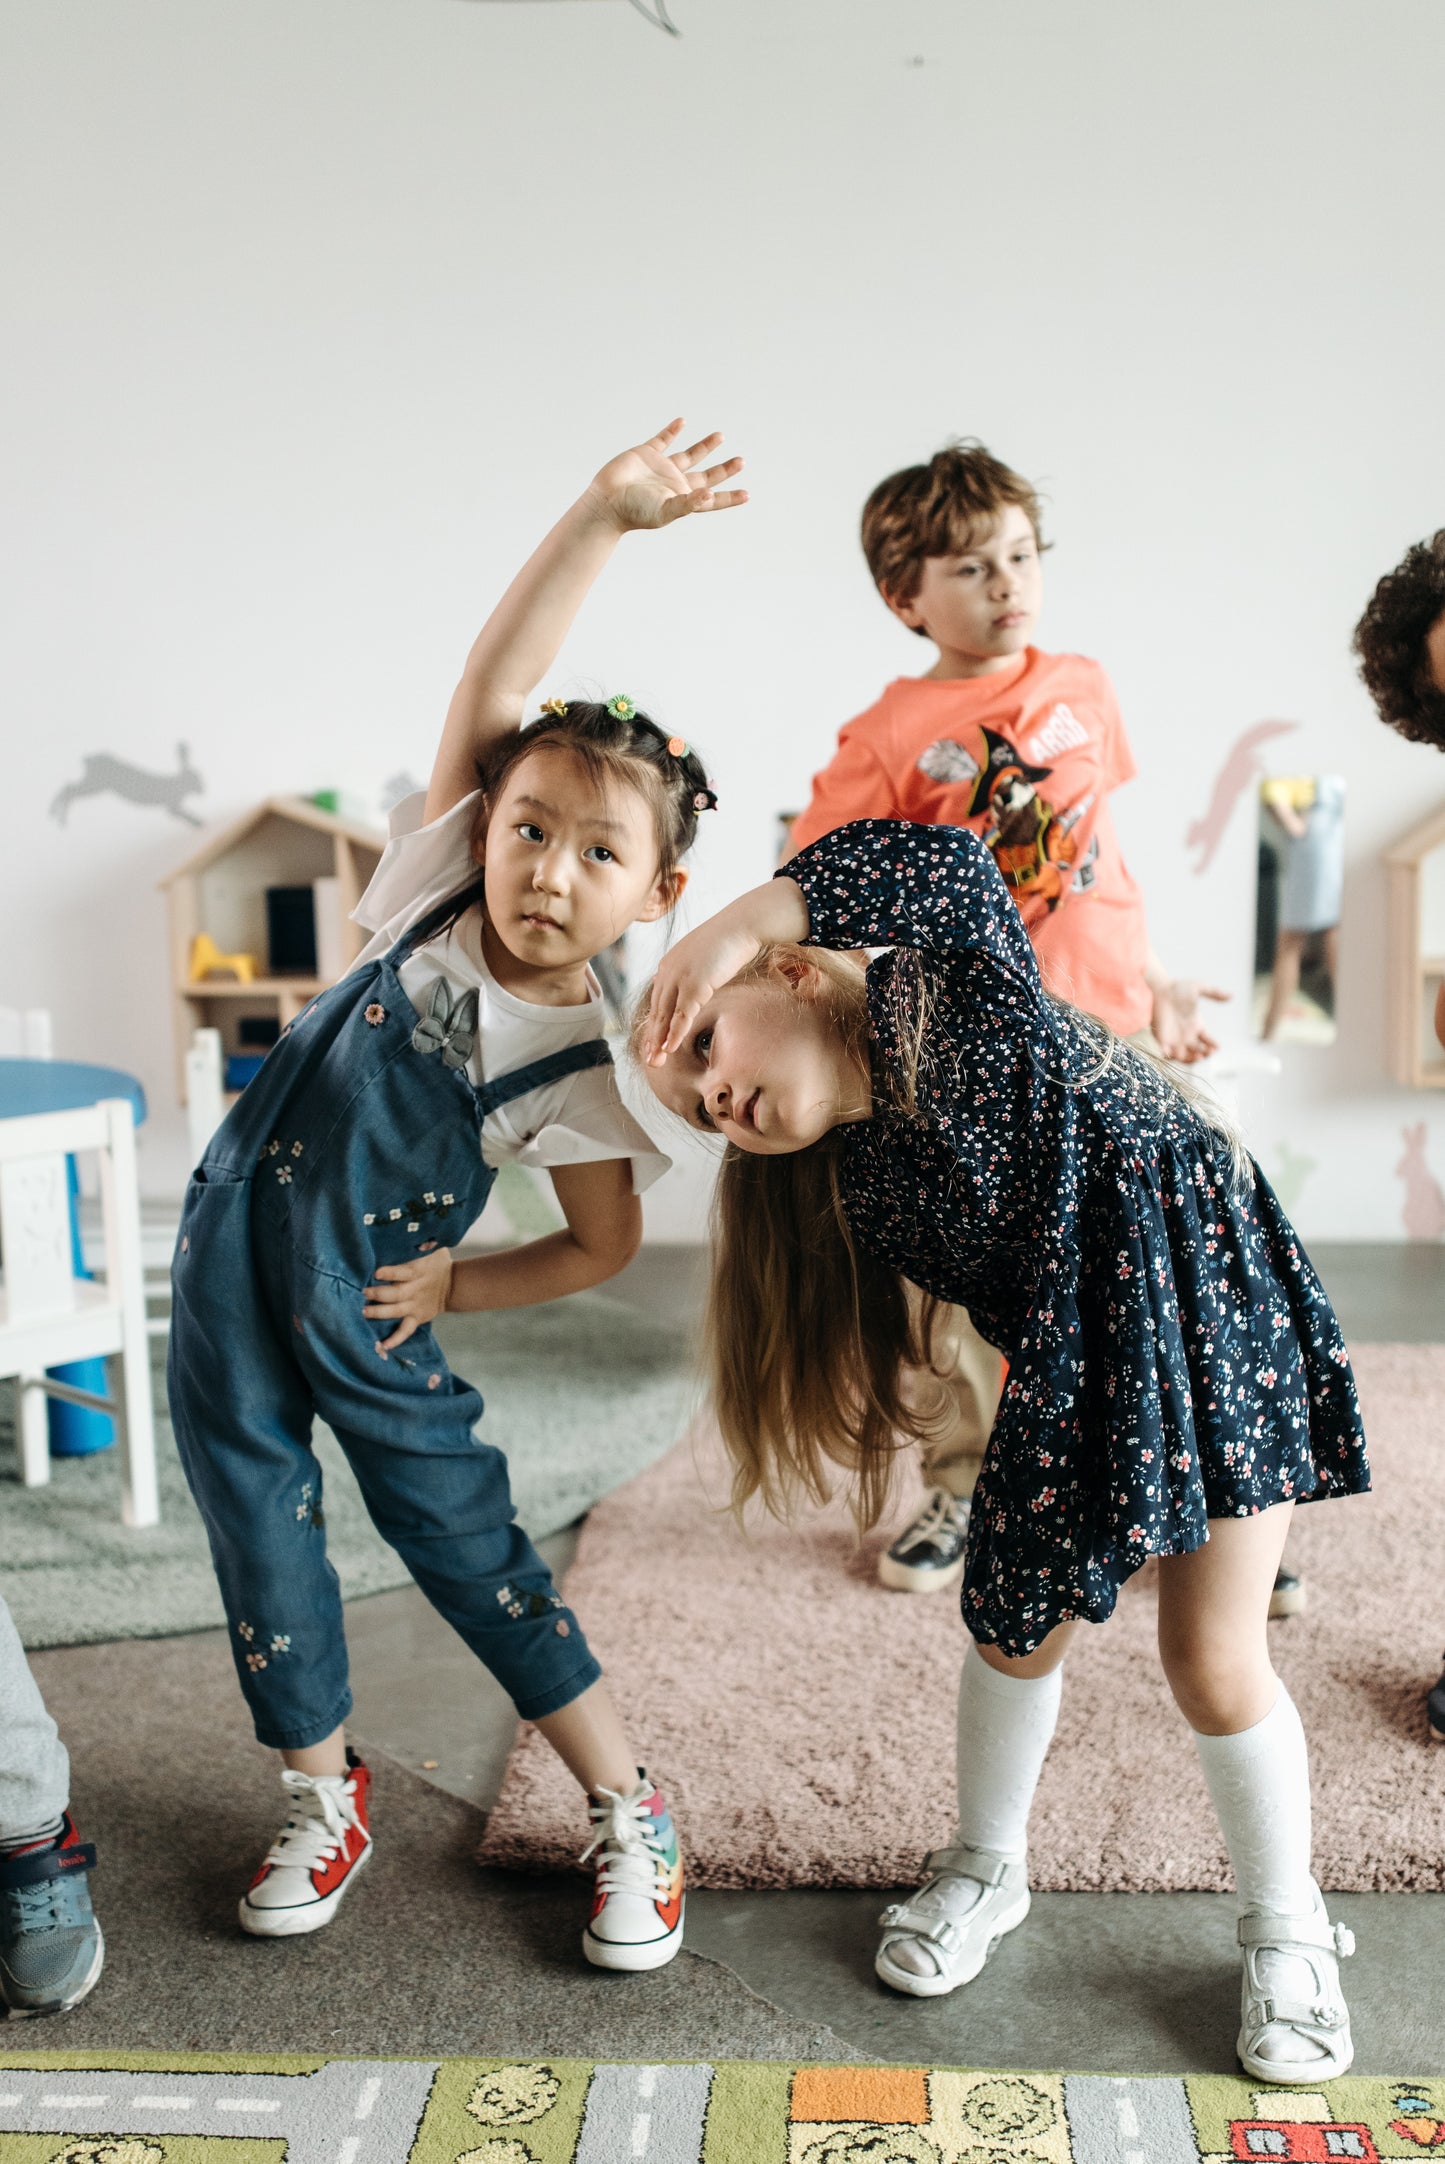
[(1137, 1983)]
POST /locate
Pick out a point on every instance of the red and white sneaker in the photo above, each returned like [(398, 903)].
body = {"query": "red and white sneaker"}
[(315, 1856), (636, 1920)]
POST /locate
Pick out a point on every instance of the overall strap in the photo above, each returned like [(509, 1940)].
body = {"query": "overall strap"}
[(445, 912), (572, 1059)]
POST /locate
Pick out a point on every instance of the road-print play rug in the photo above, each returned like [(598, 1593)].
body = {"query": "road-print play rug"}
[(136, 2108)]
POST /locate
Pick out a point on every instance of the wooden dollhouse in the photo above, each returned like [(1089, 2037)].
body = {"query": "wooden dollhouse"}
[(1415, 868), (220, 939)]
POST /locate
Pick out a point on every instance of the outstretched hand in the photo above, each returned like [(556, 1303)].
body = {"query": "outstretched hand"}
[(654, 485), (1178, 1030)]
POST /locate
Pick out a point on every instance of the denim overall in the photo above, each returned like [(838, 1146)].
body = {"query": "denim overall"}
[(357, 1144)]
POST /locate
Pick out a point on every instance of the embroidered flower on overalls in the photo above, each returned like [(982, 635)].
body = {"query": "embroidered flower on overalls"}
[(272, 1147), (433, 1382), (504, 1594), (393, 1215), (297, 1148), (447, 1201), (283, 1174), (375, 1014), (448, 1026), (280, 1644), (255, 1661), (370, 1218), (246, 1631), (413, 1225)]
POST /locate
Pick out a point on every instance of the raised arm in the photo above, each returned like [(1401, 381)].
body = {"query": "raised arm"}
[(876, 883), (651, 485), (890, 883)]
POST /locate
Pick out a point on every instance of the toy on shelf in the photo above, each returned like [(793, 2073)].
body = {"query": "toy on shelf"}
[(209, 965), (282, 882)]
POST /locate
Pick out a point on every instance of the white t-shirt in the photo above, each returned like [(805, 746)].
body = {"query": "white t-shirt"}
[(575, 1121)]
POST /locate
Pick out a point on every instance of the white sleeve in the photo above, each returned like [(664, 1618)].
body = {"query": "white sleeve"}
[(592, 1124), (420, 866)]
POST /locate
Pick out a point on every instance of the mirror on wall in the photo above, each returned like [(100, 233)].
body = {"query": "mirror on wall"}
[(1300, 885)]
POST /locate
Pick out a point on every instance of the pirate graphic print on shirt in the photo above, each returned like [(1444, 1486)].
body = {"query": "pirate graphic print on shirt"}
[(1035, 846)]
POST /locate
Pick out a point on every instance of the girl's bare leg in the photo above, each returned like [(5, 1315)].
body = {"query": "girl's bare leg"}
[(326, 1757), (589, 1738), (1044, 1659), (1213, 1608)]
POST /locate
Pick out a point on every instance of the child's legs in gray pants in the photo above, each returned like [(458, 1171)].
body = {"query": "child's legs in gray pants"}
[(34, 1767)]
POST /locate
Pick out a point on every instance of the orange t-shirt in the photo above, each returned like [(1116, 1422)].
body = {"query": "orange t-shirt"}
[(1026, 758)]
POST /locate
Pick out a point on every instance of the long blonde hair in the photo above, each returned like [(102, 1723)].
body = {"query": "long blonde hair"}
[(810, 1340)]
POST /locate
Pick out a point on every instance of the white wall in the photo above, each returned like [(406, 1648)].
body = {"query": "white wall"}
[(320, 309)]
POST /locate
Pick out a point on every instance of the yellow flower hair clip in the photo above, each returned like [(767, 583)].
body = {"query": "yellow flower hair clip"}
[(555, 706)]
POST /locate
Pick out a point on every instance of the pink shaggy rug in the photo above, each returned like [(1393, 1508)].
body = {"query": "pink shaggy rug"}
[(801, 1720)]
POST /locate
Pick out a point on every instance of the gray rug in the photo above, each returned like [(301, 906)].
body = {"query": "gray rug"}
[(430, 1954), (581, 1395)]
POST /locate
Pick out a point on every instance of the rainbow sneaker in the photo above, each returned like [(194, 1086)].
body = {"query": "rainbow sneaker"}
[(636, 1920)]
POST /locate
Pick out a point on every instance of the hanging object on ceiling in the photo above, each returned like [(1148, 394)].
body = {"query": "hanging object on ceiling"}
[(655, 12), (105, 775)]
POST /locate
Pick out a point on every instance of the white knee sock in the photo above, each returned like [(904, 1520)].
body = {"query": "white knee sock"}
[(1005, 1727), (1259, 1782)]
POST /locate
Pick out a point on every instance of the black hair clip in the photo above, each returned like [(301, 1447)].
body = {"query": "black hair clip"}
[(705, 800)]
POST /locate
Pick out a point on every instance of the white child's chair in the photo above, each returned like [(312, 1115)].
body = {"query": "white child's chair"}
[(48, 1316)]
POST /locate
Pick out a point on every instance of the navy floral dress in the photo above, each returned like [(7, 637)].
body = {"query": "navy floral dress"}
[(1172, 1356)]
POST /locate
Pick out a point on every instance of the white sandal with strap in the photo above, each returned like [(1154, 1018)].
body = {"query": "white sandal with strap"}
[(970, 1898), (1280, 2024)]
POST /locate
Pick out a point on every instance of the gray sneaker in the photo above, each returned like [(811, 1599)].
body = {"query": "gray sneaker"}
[(928, 1555), (51, 1948)]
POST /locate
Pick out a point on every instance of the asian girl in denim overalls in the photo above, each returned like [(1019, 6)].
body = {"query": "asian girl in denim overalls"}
[(357, 1153), (357, 1144)]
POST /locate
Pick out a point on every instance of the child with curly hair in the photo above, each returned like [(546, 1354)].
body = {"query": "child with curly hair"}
[(1400, 640)]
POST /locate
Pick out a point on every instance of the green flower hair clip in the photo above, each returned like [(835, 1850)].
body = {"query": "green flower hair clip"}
[(621, 708)]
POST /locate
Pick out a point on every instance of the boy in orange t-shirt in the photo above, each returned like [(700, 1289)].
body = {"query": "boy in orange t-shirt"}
[(1023, 747)]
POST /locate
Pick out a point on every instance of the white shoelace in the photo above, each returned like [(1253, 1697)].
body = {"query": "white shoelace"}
[(941, 1511), (633, 1860), (322, 1812)]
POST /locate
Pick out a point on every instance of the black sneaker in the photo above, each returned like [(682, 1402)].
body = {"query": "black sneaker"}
[(1289, 1596), (928, 1554), (51, 1949), (1435, 1706)]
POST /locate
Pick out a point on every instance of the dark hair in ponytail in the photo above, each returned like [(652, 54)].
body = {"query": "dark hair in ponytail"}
[(616, 743)]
